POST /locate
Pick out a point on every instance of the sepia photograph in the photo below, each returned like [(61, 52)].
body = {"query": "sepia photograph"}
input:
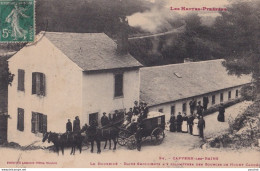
[(130, 84)]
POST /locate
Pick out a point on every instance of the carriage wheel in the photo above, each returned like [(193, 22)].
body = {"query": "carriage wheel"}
[(131, 142), (157, 136), (122, 138)]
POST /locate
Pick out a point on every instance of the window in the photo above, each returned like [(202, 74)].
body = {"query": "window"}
[(236, 93), (229, 95), (20, 80), (221, 97), (20, 119), (118, 85), (213, 100), (39, 122), (160, 110), (173, 110), (38, 83), (184, 107)]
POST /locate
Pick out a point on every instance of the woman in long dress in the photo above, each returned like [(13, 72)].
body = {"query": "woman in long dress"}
[(195, 126), (185, 124), (172, 123), (221, 115)]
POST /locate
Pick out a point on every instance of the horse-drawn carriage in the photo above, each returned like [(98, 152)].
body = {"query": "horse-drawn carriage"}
[(153, 126)]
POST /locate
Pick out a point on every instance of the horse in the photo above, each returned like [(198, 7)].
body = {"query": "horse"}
[(102, 134), (60, 141)]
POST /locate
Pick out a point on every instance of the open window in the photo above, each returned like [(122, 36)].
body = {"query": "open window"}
[(221, 97), (39, 123), (229, 95), (119, 79)]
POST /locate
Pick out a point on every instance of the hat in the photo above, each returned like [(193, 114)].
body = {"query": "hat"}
[(135, 102)]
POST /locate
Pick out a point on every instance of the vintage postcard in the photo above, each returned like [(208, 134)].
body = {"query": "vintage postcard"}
[(129, 84)]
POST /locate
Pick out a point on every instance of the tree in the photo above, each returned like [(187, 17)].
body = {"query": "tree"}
[(238, 33), (6, 77)]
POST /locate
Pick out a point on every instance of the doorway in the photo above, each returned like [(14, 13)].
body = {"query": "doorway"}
[(93, 117)]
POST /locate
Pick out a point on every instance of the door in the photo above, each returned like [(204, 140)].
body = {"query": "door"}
[(93, 117)]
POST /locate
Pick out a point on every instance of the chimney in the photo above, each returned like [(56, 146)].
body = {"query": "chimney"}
[(122, 37)]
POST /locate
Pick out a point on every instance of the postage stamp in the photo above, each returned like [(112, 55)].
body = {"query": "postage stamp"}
[(17, 21)]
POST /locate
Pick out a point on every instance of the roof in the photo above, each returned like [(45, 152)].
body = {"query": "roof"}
[(168, 83), (91, 51)]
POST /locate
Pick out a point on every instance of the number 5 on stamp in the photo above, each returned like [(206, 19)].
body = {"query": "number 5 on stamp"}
[(17, 21)]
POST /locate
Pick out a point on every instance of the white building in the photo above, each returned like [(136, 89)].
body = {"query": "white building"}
[(65, 75), (170, 88)]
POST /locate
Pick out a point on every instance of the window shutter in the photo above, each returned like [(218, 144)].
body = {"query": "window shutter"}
[(34, 115), (20, 119), (44, 122), (33, 83), (40, 123), (42, 84), (20, 80)]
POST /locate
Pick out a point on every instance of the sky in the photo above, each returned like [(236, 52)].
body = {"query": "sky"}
[(157, 17)]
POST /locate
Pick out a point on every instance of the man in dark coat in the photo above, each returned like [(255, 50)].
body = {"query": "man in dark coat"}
[(129, 114), (205, 102), (68, 126), (201, 126), (199, 109), (146, 110), (179, 122), (138, 136), (110, 118), (76, 124), (141, 107), (192, 106), (116, 116), (136, 108), (190, 123), (104, 120), (172, 123), (221, 114)]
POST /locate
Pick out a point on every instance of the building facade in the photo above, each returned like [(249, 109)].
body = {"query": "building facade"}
[(64, 75), (55, 82), (170, 88)]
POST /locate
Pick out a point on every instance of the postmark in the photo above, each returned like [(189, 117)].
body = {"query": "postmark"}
[(17, 21)]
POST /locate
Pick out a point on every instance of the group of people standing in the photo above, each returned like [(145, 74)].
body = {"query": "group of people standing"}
[(135, 114), (76, 125), (193, 124), (110, 119)]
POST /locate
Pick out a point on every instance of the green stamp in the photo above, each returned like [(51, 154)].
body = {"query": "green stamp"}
[(17, 21)]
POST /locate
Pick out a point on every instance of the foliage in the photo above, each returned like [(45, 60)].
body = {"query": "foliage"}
[(6, 77), (238, 32), (248, 92)]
